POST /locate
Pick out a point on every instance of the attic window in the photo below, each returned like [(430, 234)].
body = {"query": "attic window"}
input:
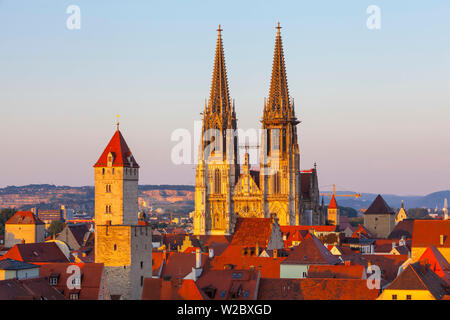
[(236, 275), (36, 254), (53, 279), (223, 293)]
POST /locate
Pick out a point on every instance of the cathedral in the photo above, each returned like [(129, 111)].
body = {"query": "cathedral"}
[(225, 189)]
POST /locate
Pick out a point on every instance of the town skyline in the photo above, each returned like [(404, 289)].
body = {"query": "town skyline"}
[(373, 113)]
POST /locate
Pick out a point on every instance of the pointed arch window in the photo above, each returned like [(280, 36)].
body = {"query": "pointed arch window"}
[(276, 183), (217, 182)]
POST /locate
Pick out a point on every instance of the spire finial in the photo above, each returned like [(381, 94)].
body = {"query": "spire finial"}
[(219, 30), (118, 116), (278, 27)]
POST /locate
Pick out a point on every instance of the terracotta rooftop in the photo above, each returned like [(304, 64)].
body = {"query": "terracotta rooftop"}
[(122, 156), (417, 276), (315, 289), (235, 257), (180, 264), (24, 217), (29, 289), (403, 229), (428, 233), (229, 284), (336, 271), (437, 262), (91, 277), (161, 289), (333, 203), (249, 231), (311, 251), (36, 252)]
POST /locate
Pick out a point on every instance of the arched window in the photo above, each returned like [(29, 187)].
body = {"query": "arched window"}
[(217, 182)]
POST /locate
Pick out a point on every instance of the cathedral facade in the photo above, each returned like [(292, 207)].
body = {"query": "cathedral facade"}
[(224, 189)]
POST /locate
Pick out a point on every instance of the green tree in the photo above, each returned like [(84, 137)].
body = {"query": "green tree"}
[(5, 215), (55, 227)]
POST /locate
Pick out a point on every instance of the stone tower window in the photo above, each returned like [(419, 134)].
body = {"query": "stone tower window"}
[(217, 182), (115, 247)]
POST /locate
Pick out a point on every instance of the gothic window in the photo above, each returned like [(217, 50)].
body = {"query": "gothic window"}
[(284, 140), (108, 188), (103, 171), (217, 182), (108, 209), (276, 139), (268, 141), (276, 183)]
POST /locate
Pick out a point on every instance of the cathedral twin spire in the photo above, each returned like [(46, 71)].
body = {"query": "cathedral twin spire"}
[(278, 104), (219, 100)]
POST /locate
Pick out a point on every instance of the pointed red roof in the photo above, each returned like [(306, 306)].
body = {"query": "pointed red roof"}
[(24, 217), (379, 206), (122, 156), (333, 203)]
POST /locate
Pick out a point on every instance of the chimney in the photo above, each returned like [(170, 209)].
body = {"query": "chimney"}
[(198, 259), (347, 262), (164, 254), (211, 253), (441, 239), (275, 253), (393, 244)]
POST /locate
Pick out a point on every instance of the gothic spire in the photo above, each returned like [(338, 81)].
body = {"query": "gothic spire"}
[(219, 101), (278, 101)]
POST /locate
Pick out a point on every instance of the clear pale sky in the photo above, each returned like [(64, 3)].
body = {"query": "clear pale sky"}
[(374, 104)]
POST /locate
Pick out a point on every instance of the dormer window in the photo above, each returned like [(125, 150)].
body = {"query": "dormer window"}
[(53, 279), (110, 159)]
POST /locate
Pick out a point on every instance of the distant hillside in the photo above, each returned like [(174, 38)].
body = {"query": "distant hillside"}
[(429, 201), (172, 198), (175, 198)]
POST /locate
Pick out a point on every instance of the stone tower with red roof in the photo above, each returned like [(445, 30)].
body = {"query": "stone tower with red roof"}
[(333, 212), (123, 246)]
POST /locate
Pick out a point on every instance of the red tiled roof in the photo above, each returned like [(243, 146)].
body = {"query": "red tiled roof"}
[(29, 289), (311, 251), (336, 271), (36, 252), (315, 289), (333, 203), (122, 156), (417, 276), (389, 264), (91, 277), (24, 217), (428, 232), (233, 255), (362, 230), (379, 206), (438, 263), (161, 289), (180, 264), (249, 231), (229, 284)]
